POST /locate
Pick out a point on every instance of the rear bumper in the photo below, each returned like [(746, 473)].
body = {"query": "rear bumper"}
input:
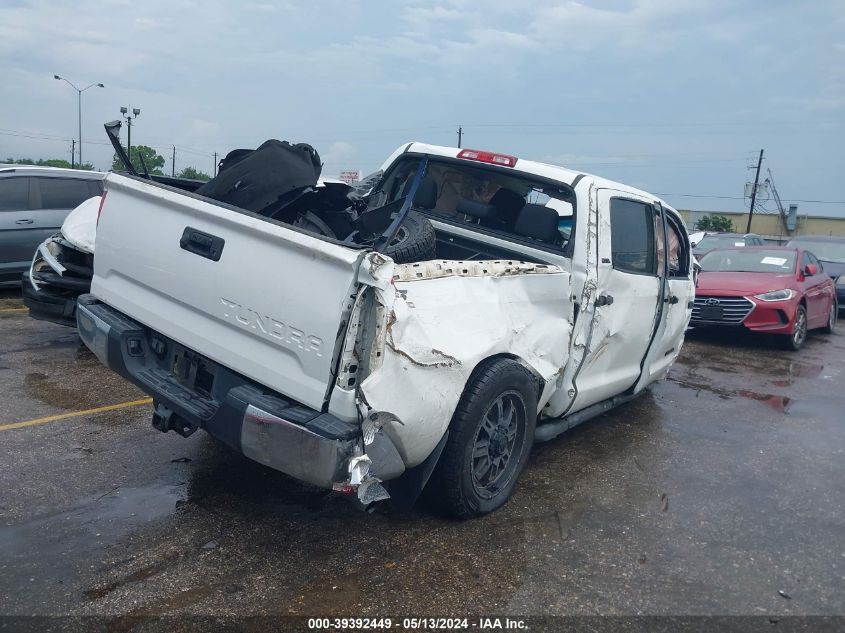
[(191, 391)]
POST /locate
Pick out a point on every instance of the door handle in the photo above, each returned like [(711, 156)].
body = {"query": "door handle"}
[(27, 221), (671, 299), (202, 244), (604, 300)]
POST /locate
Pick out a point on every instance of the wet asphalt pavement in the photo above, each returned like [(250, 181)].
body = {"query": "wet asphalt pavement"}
[(709, 494)]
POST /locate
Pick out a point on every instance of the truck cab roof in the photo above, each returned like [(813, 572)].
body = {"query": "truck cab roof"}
[(534, 168)]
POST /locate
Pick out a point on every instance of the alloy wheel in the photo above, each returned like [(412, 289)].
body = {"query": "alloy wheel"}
[(498, 444), (799, 332)]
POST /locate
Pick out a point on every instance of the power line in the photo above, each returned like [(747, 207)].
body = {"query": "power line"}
[(696, 195)]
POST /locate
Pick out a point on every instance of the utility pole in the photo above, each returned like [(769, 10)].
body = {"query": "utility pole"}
[(460, 133), (215, 163), (73, 152), (754, 192), (173, 163)]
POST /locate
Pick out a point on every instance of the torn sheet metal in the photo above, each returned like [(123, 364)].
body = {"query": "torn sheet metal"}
[(585, 271), (439, 327), (436, 269)]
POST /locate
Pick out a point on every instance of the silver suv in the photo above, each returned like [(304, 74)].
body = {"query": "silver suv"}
[(34, 202)]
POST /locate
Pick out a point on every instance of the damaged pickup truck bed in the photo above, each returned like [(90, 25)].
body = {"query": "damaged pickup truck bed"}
[(551, 297)]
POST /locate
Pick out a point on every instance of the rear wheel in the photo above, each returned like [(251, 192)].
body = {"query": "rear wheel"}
[(490, 437), (830, 328), (795, 340)]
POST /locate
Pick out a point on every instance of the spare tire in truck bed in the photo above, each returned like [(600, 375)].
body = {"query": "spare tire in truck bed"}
[(414, 241)]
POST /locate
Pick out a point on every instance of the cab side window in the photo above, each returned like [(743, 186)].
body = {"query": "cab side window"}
[(632, 237), (678, 251)]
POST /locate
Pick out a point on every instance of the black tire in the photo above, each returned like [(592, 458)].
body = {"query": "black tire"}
[(795, 340), (460, 482), (830, 328), (414, 241)]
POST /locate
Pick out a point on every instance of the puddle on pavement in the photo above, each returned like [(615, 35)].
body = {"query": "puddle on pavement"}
[(734, 360), (798, 370), (92, 523), (776, 402)]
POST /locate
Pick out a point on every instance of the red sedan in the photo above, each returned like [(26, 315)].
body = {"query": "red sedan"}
[(773, 289)]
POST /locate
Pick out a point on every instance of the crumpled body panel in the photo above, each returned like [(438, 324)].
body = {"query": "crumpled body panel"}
[(440, 325)]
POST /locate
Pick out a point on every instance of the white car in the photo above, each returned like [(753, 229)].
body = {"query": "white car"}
[(551, 298)]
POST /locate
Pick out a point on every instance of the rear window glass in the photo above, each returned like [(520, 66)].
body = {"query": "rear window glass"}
[(63, 193), (750, 261), (14, 194), (495, 200), (828, 251), (721, 241)]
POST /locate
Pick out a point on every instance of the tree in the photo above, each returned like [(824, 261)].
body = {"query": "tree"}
[(715, 223), (152, 159), (49, 162), (194, 174)]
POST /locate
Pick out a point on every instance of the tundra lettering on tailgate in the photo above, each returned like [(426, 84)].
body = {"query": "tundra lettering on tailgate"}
[(270, 327)]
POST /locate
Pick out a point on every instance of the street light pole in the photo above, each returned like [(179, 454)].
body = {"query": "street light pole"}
[(127, 114), (79, 107)]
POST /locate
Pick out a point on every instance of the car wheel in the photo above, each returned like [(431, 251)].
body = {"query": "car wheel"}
[(795, 340), (490, 437), (830, 328)]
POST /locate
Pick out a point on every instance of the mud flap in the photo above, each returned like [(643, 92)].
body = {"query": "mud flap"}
[(405, 490)]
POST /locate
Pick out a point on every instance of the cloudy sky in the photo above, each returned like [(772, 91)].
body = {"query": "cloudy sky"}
[(674, 96)]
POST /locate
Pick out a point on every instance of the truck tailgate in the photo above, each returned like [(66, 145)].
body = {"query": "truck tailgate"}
[(261, 299)]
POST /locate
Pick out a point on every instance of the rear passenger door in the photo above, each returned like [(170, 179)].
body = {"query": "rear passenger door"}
[(627, 298), (677, 297)]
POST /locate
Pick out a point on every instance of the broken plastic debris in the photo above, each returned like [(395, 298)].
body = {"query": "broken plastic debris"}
[(371, 491), (358, 469), (344, 489)]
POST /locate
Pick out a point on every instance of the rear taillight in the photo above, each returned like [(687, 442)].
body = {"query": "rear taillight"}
[(100, 208), (488, 157)]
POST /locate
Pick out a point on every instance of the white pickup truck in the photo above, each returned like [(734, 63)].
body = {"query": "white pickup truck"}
[(554, 296)]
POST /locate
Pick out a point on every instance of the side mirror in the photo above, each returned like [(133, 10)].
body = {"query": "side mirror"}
[(696, 270), (810, 270)]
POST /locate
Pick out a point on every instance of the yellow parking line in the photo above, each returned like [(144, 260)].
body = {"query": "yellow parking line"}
[(75, 414), (13, 310)]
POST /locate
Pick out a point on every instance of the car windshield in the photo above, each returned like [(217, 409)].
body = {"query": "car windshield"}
[(823, 250), (749, 261), (720, 241)]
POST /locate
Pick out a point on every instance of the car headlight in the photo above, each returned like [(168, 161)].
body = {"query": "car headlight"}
[(776, 295)]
